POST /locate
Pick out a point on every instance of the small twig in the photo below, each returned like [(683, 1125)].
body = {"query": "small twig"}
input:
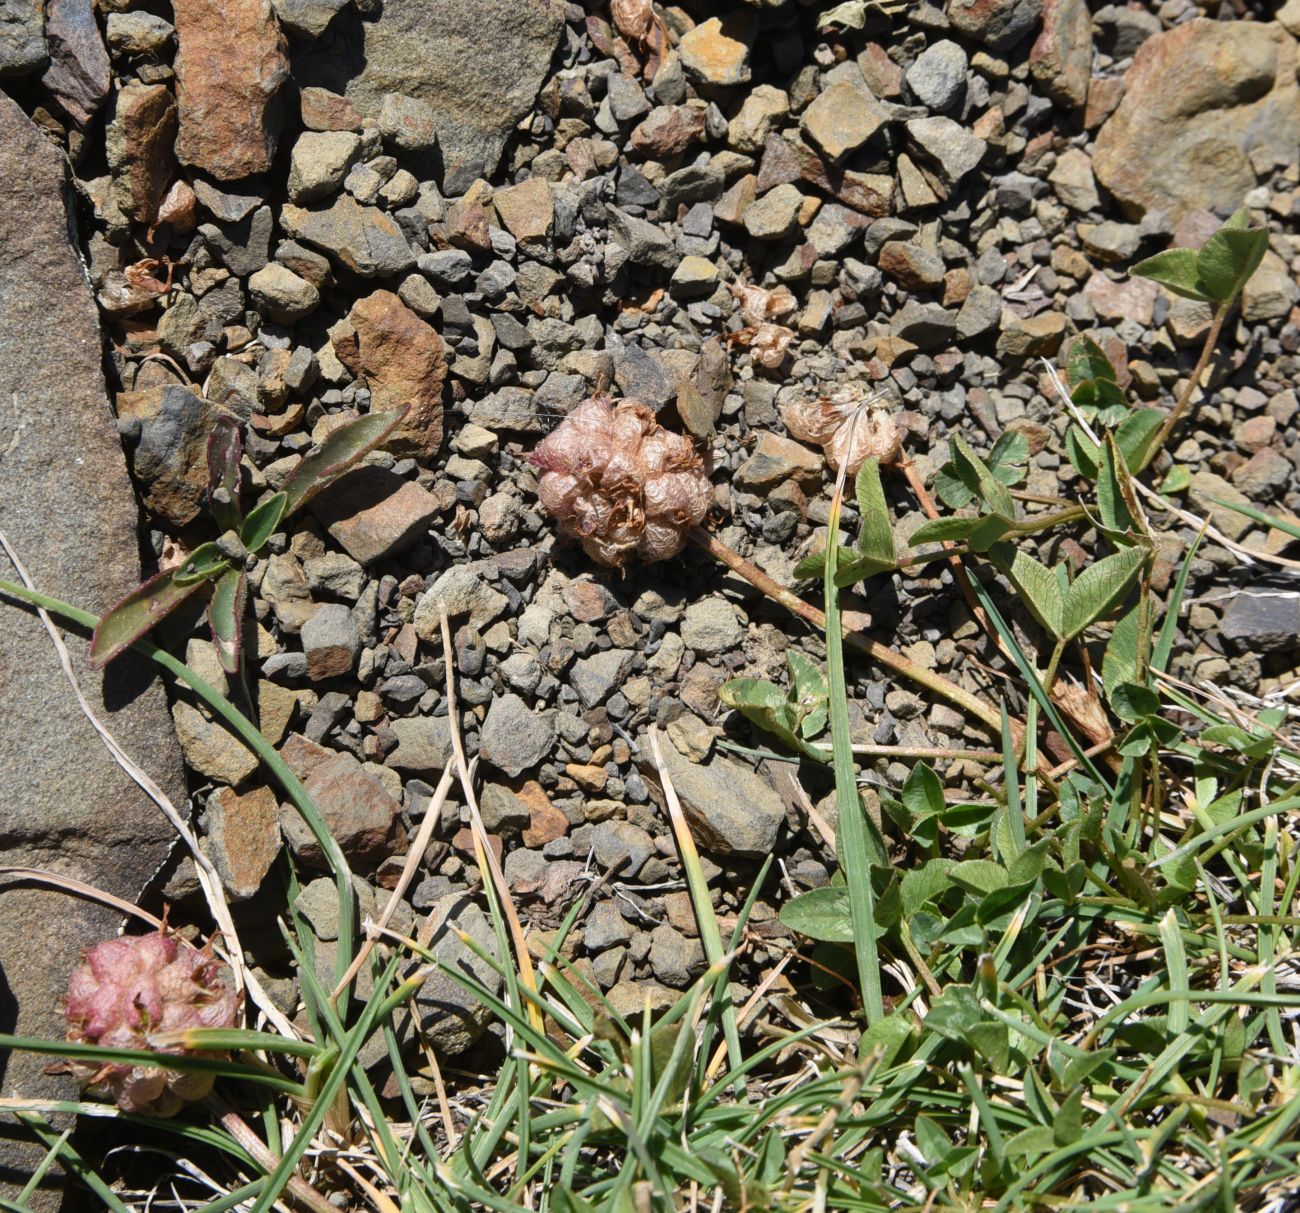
[(1185, 399), (299, 1188), (864, 644)]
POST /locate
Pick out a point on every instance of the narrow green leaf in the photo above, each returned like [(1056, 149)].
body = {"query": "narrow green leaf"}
[(976, 475), (850, 572), (1228, 259), (1082, 452), (820, 914), (1176, 269), (1136, 437), (205, 563), (225, 448), (990, 529), (1100, 588), (339, 452), (226, 616), (1164, 646), (1111, 503), (876, 539), (1260, 516), (262, 522), (1171, 937)]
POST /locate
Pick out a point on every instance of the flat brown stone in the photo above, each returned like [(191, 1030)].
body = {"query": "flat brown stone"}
[(243, 838), (403, 361), (139, 141), (374, 514), (230, 63)]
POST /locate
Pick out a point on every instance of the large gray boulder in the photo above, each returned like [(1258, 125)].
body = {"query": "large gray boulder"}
[(480, 76), (66, 505)]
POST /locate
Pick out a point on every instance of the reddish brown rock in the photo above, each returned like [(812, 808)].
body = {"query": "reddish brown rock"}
[(230, 63), (1134, 298), (322, 110), (1061, 57), (1201, 101), (374, 514), (668, 130), (359, 811), (170, 459), (243, 838), (787, 161), (403, 361), (139, 141)]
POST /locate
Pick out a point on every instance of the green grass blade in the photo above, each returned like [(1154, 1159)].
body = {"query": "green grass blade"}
[(856, 849)]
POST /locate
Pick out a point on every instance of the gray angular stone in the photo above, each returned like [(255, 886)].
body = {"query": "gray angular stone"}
[(621, 847), (999, 24), (22, 37), (514, 738), (646, 243), (674, 959), (595, 678), (731, 810), (423, 745), (278, 293), (309, 18), (451, 1018), (138, 33), (243, 247), (938, 76), (480, 76), (66, 804), (948, 146), (319, 162), (463, 590), (363, 238), (605, 928), (78, 74), (1263, 621), (712, 627), (331, 642)]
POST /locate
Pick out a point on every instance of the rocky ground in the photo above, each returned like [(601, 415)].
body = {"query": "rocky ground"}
[(296, 212)]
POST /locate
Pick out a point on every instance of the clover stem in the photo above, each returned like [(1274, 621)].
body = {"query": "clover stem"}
[(886, 656), (1185, 398)]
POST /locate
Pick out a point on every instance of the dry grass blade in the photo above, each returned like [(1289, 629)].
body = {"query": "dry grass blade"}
[(80, 889), (486, 857), (208, 876), (414, 857)]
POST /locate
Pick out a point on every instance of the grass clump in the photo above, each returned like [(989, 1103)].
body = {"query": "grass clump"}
[(1072, 986)]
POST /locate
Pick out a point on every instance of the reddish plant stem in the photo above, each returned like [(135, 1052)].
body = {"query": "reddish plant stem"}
[(1185, 399), (881, 653)]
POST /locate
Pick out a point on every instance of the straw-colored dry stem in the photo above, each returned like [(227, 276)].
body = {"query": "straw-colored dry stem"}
[(886, 656)]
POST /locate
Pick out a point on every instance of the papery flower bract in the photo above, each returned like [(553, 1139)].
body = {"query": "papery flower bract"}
[(850, 427), (620, 483), (134, 986)]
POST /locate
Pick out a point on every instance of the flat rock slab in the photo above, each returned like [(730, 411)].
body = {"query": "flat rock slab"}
[(422, 48), (66, 805)]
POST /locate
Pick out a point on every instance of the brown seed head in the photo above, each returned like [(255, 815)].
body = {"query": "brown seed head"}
[(620, 483)]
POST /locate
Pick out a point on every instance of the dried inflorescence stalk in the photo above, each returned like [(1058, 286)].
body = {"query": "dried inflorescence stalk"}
[(133, 987), (850, 425), (619, 482)]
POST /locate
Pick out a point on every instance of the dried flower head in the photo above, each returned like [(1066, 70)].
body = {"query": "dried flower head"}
[(132, 987), (850, 425), (619, 482), (760, 309)]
